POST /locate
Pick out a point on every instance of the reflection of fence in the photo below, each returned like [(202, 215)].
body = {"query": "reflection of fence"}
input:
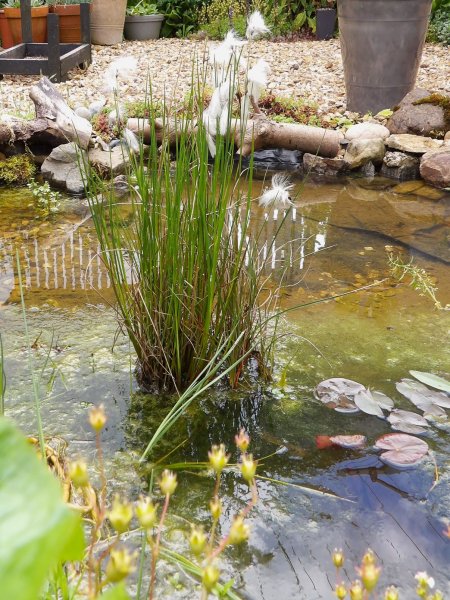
[(76, 264)]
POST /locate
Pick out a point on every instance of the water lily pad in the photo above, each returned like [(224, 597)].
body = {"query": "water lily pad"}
[(383, 401), (349, 441), (432, 380), (402, 451), (365, 402), (421, 396), (338, 393), (407, 421)]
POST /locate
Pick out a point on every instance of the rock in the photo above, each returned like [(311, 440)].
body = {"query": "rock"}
[(326, 167), (61, 168), (367, 131), (109, 162), (435, 167), (368, 170), (360, 152), (415, 144), (447, 138), (420, 119), (407, 187), (427, 191), (83, 112), (401, 166)]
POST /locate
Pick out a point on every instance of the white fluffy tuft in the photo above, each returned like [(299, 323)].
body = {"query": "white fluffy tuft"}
[(256, 84), (120, 70), (256, 26), (278, 195)]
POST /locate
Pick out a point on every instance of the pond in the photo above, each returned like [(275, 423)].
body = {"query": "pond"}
[(336, 240)]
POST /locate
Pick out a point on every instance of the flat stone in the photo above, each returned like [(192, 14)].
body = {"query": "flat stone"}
[(435, 167), (367, 131), (430, 192), (327, 167), (66, 153), (74, 181), (415, 144), (361, 151), (109, 162), (419, 119)]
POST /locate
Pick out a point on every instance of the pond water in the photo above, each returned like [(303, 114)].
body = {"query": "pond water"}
[(336, 240)]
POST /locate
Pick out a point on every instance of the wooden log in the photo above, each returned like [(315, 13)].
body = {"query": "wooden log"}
[(51, 105), (259, 134)]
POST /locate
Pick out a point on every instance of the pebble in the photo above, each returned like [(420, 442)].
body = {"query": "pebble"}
[(305, 69)]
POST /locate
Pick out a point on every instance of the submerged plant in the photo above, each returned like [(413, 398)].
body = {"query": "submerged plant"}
[(17, 169), (48, 200)]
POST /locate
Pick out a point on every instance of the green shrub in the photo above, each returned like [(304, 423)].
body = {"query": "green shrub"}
[(439, 29), (181, 17), (17, 169), (217, 29)]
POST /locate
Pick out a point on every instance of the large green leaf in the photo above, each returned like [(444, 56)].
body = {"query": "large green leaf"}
[(432, 380), (37, 529)]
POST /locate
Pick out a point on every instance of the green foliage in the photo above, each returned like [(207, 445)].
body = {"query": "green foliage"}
[(141, 8), (287, 16), (439, 29), (116, 593), (217, 29), (221, 10), (2, 379), (181, 17), (285, 109), (142, 109), (37, 528), (440, 5), (48, 201), (17, 169)]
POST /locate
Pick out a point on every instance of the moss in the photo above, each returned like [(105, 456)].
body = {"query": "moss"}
[(288, 110), (438, 100), (142, 109), (17, 169)]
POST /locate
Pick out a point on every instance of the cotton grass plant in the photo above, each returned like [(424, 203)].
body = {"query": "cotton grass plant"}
[(186, 273)]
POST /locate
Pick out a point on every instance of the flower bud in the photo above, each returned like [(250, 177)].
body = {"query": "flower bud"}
[(239, 531), (248, 468), (97, 417), (215, 507), (168, 483), (197, 540), (369, 558), (391, 593), (369, 574), (146, 513), (78, 473), (437, 595), (423, 580), (210, 576), (356, 591), (242, 440), (120, 515), (218, 459), (340, 591), (120, 565), (338, 558)]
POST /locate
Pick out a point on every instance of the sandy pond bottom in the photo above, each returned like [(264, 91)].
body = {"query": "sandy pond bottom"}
[(335, 241)]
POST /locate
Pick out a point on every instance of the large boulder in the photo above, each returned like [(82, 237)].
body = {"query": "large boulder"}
[(401, 166), (419, 119), (367, 131), (61, 168), (359, 152), (109, 162), (435, 167), (415, 144)]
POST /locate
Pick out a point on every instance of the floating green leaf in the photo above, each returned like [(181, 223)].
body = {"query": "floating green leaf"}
[(432, 380), (38, 530)]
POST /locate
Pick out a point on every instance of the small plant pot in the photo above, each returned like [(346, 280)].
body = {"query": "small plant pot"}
[(69, 22), (143, 27), (38, 24), (325, 23), (5, 32)]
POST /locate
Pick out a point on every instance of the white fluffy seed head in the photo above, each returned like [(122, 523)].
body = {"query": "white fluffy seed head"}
[(256, 26), (278, 195)]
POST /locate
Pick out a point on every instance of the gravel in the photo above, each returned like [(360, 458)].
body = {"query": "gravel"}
[(304, 69)]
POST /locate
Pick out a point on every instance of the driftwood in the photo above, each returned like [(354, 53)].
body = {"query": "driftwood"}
[(55, 122), (259, 134)]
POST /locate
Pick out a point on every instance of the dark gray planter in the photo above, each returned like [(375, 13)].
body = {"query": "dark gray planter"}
[(381, 45), (146, 27), (325, 23)]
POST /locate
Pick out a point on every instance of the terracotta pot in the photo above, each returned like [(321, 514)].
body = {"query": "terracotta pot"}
[(69, 22), (38, 24), (5, 32), (107, 21)]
